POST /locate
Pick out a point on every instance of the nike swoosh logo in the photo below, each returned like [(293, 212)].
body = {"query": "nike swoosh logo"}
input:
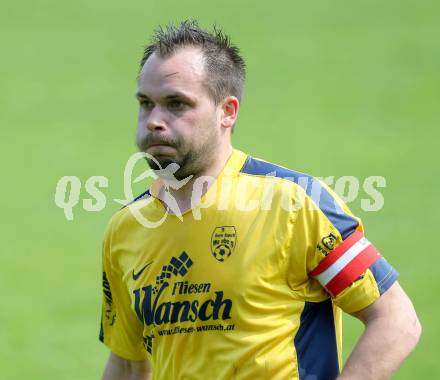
[(136, 275)]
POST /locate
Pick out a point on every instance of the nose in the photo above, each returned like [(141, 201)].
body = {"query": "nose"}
[(155, 120)]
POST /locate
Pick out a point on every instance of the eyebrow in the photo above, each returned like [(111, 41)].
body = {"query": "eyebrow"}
[(140, 95), (174, 95), (168, 75)]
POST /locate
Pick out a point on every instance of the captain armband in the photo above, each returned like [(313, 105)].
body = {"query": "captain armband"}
[(345, 263)]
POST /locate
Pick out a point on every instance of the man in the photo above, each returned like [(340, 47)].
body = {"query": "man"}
[(247, 277)]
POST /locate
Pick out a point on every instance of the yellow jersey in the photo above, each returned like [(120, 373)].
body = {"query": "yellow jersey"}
[(248, 284)]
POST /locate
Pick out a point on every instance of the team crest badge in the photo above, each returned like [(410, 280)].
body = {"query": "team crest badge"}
[(329, 241), (223, 242)]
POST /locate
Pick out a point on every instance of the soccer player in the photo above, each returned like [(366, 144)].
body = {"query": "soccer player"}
[(245, 276)]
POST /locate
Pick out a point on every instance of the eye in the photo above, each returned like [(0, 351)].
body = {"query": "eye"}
[(146, 104), (176, 105)]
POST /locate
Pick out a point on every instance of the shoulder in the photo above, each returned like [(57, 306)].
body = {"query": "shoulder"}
[(123, 217), (310, 192), (144, 195), (259, 167), (297, 183)]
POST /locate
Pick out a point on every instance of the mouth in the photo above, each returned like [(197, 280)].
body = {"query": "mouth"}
[(159, 147)]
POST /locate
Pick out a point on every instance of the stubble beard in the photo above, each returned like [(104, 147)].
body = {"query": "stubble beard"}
[(191, 160)]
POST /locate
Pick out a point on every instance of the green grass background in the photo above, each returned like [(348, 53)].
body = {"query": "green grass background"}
[(334, 88)]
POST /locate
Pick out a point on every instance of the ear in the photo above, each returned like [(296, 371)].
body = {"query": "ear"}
[(229, 113)]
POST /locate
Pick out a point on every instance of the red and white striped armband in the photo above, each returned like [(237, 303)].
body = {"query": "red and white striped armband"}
[(345, 263)]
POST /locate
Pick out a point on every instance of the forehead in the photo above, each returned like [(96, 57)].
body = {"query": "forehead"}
[(183, 71)]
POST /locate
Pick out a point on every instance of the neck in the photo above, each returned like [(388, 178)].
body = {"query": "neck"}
[(183, 195)]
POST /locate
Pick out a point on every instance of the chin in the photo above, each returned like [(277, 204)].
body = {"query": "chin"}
[(163, 162)]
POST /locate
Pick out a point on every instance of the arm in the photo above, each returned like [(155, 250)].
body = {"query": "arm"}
[(118, 368), (392, 330)]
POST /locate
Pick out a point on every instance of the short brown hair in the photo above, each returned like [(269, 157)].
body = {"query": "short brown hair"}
[(225, 67)]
